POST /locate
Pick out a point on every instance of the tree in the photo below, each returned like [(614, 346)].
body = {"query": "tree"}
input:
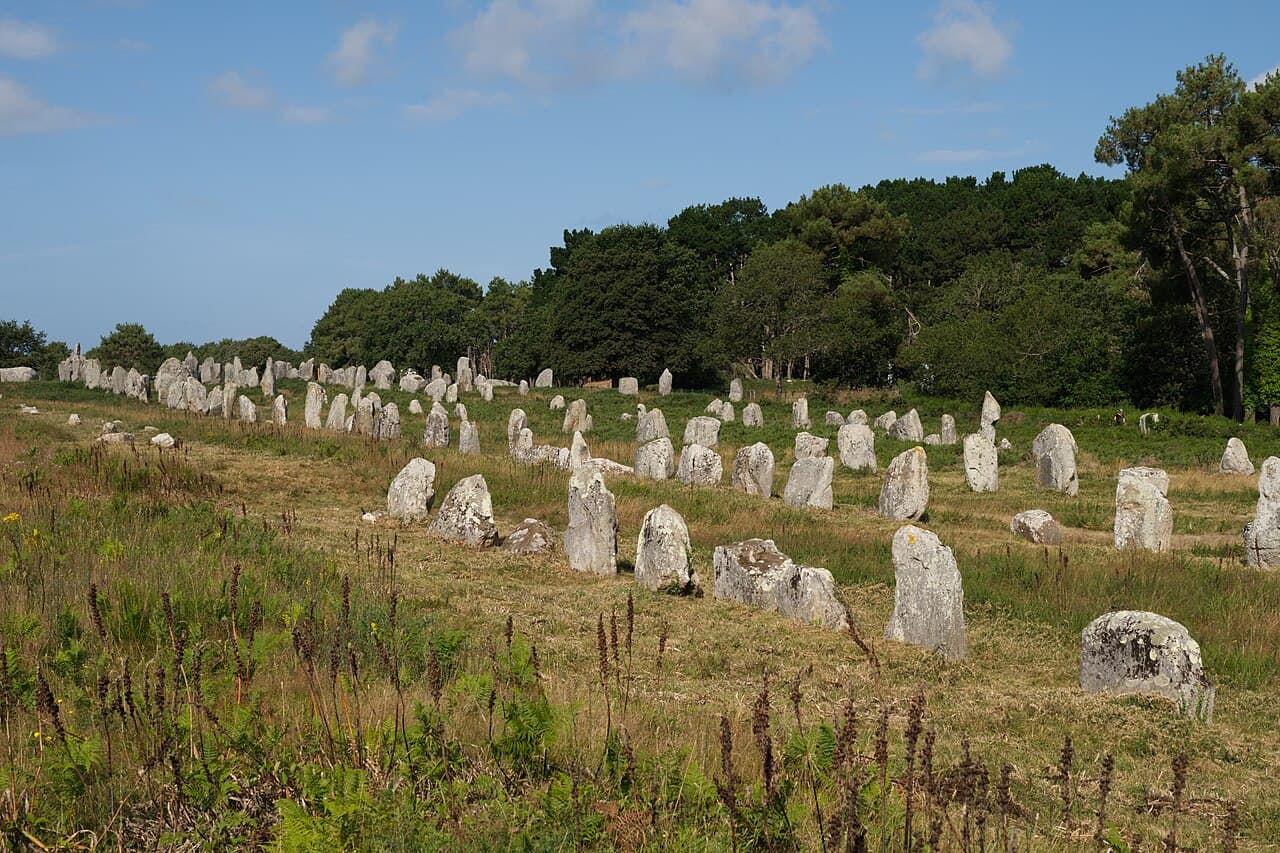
[(21, 344), (851, 230), (722, 235), (129, 345)]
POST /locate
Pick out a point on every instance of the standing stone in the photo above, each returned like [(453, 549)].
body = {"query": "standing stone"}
[(928, 599), (857, 418), (650, 425), (315, 403), (557, 403), (1148, 422), (467, 514), (337, 420), (213, 403), (809, 484), (361, 378), (196, 394), (834, 419), (990, 416), (753, 468), (249, 378), (468, 439), (463, 376), (279, 411), (362, 423), (516, 421), (726, 412), (735, 390), (886, 421), (663, 552), (713, 408), (752, 416), (248, 411), (1038, 526), (629, 386), (386, 426), (664, 383), (451, 393), (530, 536), (905, 493), (591, 542), (412, 491), (436, 432), (1132, 651), (699, 466), (857, 445), (545, 379), (656, 460), (579, 453), (118, 375), (908, 427), (1235, 459), (383, 374), (948, 430), (230, 391), (575, 417), (702, 430), (524, 387), (800, 414), (436, 389), (415, 406), (981, 468), (1262, 535), (460, 412), (412, 383), (268, 383), (486, 391), (1144, 518), (757, 574), (811, 446), (1054, 455)]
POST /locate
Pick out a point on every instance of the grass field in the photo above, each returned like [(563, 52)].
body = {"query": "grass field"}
[(233, 657)]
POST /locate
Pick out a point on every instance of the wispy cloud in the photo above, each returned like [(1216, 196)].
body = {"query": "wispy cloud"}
[(964, 34), (23, 113), (233, 90), (1261, 78), (453, 103), (353, 60), (971, 108), (26, 40), (298, 114)]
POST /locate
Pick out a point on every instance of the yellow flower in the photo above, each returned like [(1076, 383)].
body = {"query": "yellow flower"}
[(373, 627), (12, 518)]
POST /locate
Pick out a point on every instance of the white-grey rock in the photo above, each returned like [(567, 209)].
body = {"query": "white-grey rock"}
[(752, 416), (163, 439), (629, 385), (591, 542), (1147, 422), (834, 419), (436, 431), (699, 466), (115, 438), (524, 388), (664, 383), (337, 420), (316, 398), (383, 374), (1004, 442), (386, 426), (948, 430), (1054, 455), (981, 466), (928, 597), (811, 446), (436, 389), (735, 390), (412, 383), (415, 406), (575, 417), (1144, 519), (656, 460), (857, 418), (516, 421), (468, 439), (650, 425), (460, 412), (702, 430), (664, 558), (467, 514), (213, 404), (907, 427), (73, 419), (1262, 535), (800, 414), (753, 468), (726, 412), (451, 393), (1235, 459), (579, 453), (1038, 526), (886, 421), (857, 446), (248, 411), (905, 493), (268, 383), (990, 411), (1132, 651), (530, 536), (757, 574), (18, 374), (279, 411), (557, 403), (809, 484), (412, 491), (545, 379)]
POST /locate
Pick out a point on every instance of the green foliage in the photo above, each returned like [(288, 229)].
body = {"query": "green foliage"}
[(129, 345), (22, 345)]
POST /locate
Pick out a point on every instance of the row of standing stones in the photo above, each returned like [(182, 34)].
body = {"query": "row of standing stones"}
[(1126, 651)]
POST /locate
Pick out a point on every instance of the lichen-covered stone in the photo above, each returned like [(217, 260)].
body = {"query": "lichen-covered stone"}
[(753, 469), (809, 484), (928, 597), (1054, 455), (1235, 459), (757, 574), (591, 542), (857, 445), (905, 493), (656, 460), (663, 554), (467, 514), (412, 491), (1132, 651), (702, 430), (699, 466), (981, 465), (1038, 526), (1144, 519)]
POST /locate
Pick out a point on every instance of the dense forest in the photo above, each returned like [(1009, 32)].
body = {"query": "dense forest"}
[(1159, 287)]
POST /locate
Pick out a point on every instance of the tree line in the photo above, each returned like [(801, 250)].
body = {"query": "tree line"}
[(1159, 287)]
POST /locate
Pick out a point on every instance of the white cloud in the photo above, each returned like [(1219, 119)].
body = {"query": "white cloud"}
[(297, 114), (22, 113), (19, 40), (357, 48), (1258, 81), (233, 90), (529, 42), (453, 103), (964, 34)]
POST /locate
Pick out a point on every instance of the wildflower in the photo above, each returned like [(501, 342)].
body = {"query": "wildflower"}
[(12, 518), (373, 627)]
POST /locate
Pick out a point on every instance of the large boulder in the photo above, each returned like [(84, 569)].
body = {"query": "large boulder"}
[(753, 468), (809, 484), (629, 386), (1053, 453), (735, 390), (656, 460), (664, 383), (757, 574), (436, 431), (314, 406), (699, 466), (810, 446), (467, 514), (18, 374), (664, 557), (752, 416), (905, 493), (908, 428), (702, 430), (545, 379), (1262, 535), (1235, 459), (800, 414), (412, 491), (1038, 526), (651, 424), (857, 445), (1132, 651), (928, 598), (981, 466), (1144, 519), (530, 536), (886, 421), (591, 542)]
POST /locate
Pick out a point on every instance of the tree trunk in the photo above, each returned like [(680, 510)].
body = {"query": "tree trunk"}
[(1240, 244), (1275, 415), (1202, 316)]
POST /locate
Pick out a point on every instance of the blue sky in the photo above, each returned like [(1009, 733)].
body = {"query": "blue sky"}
[(224, 169)]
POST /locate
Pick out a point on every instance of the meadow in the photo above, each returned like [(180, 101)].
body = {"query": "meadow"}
[(206, 647)]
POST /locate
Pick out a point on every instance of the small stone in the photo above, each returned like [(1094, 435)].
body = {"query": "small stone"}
[(467, 514), (516, 421), (164, 440), (664, 383), (886, 421), (415, 406), (753, 468), (1132, 651), (557, 403), (834, 419), (1038, 526), (73, 420), (757, 574), (1235, 459), (928, 597), (752, 416), (948, 430), (412, 491), (530, 536), (663, 553)]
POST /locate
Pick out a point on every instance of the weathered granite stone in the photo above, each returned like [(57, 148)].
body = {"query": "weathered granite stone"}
[(752, 416), (656, 460), (735, 390), (702, 430), (516, 421), (757, 574), (460, 412), (1054, 455), (1038, 526), (524, 388), (591, 542), (811, 446), (557, 403), (928, 598), (279, 411), (857, 446), (699, 466), (362, 421), (415, 406), (907, 427), (629, 385), (834, 419), (948, 430), (753, 468), (436, 389), (905, 493), (230, 393), (467, 514), (213, 403), (800, 414), (981, 467), (664, 383), (73, 419), (412, 491), (545, 379), (990, 411), (530, 537), (726, 412), (575, 417), (114, 438), (650, 425), (268, 383), (337, 420), (18, 374), (579, 453), (412, 383), (248, 411), (664, 558), (1132, 651), (386, 426), (857, 418), (383, 374), (164, 440), (1235, 459), (1144, 519), (436, 431), (886, 421), (1148, 422), (809, 484), (451, 393), (316, 398)]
